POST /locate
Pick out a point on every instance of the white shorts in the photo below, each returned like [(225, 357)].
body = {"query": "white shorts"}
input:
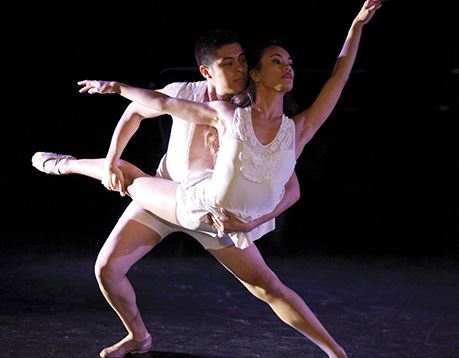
[(164, 228)]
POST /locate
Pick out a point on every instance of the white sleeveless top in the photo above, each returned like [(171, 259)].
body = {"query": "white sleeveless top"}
[(248, 179), (175, 161)]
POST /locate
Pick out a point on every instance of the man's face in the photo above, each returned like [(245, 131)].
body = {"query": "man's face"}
[(229, 70)]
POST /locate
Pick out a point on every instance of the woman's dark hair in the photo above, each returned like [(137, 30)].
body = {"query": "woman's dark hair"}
[(253, 56)]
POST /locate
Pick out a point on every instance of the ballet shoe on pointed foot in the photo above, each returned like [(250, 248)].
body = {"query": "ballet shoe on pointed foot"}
[(125, 347), (48, 162)]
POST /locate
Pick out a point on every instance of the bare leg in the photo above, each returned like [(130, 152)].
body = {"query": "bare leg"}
[(127, 244), (250, 268), (154, 194), (92, 168)]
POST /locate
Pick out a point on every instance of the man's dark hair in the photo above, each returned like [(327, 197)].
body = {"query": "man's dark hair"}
[(206, 46)]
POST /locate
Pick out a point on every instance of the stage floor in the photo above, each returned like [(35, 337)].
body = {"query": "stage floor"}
[(50, 306)]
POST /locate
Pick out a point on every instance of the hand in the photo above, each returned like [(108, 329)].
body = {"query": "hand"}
[(113, 179), (227, 223), (102, 87), (368, 10)]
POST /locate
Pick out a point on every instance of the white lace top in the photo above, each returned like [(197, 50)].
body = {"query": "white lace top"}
[(249, 178), (259, 160)]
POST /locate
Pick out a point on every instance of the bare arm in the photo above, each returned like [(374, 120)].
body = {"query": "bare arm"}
[(126, 127), (228, 223), (129, 123), (207, 113), (308, 122)]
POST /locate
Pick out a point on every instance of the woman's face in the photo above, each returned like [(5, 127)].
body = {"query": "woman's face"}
[(275, 70)]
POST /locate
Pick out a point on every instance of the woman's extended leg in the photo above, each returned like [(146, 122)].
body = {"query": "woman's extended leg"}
[(154, 194), (250, 268)]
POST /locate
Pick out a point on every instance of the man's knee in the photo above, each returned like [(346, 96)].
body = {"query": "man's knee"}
[(106, 271)]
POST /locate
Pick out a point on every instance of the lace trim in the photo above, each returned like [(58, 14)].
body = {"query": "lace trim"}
[(258, 160)]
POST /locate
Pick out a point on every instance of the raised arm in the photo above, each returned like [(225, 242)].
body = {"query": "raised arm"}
[(308, 122)]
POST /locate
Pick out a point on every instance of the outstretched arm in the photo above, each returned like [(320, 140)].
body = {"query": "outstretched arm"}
[(207, 113), (308, 122)]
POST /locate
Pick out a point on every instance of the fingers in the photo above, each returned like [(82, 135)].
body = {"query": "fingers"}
[(215, 222), (225, 215), (84, 89), (114, 183), (98, 86), (218, 224), (86, 85), (121, 187), (117, 184), (91, 86)]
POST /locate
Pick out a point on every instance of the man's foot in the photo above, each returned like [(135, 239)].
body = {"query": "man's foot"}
[(125, 347), (50, 163)]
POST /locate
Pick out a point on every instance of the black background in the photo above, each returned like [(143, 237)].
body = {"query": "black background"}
[(380, 177)]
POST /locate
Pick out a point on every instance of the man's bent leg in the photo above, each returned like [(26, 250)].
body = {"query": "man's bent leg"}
[(128, 242)]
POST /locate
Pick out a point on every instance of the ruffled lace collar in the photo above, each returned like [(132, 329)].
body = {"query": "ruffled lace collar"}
[(258, 160)]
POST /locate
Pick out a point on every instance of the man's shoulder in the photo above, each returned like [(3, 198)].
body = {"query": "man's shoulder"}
[(185, 89)]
